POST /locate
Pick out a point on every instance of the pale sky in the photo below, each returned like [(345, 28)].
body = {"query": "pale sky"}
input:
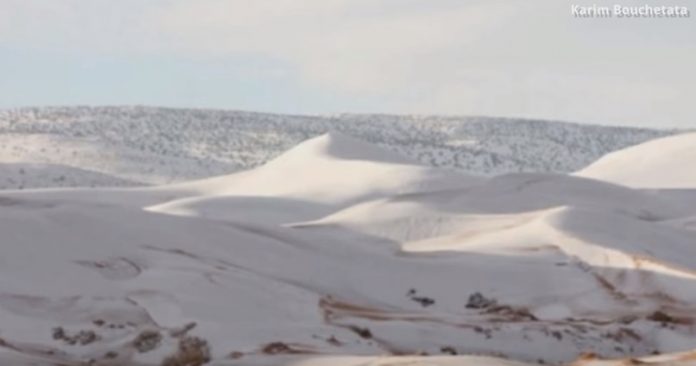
[(516, 58)]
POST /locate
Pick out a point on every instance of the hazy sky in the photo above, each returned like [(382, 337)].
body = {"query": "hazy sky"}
[(527, 58)]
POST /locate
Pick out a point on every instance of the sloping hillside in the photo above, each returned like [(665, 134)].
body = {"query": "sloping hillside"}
[(27, 176), (159, 145)]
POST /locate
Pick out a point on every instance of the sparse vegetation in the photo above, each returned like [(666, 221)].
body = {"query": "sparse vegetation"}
[(82, 337), (236, 355), (192, 351), (449, 350), (478, 301), (333, 341), (424, 301), (661, 317), (147, 340), (362, 332), (275, 348), (510, 313), (491, 306), (176, 333)]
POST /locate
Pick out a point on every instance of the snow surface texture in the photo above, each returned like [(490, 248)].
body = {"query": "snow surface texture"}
[(628, 166), (338, 252), (158, 145)]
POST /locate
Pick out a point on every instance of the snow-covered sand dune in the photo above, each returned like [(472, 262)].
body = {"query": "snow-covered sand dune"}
[(163, 145), (662, 163), (340, 253), (316, 178)]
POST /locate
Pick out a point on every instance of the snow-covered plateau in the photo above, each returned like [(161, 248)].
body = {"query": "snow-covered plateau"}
[(344, 249)]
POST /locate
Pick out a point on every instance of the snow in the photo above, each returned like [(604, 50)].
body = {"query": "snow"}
[(661, 163), (27, 176), (160, 145), (340, 252), (318, 177), (685, 359)]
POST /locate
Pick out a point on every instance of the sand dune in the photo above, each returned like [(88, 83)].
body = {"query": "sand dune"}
[(662, 163), (341, 253)]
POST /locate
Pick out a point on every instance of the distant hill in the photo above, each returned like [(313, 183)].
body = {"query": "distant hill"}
[(161, 145)]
